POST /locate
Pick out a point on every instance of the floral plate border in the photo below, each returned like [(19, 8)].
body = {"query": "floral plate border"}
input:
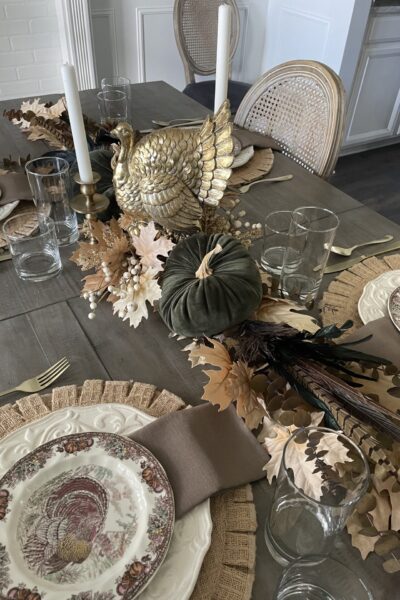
[(136, 575)]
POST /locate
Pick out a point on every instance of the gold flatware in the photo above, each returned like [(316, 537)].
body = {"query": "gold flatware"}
[(5, 256), (348, 251), (42, 381), (176, 121), (245, 188), (342, 265)]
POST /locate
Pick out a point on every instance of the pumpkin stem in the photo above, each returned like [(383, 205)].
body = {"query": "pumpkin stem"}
[(204, 269)]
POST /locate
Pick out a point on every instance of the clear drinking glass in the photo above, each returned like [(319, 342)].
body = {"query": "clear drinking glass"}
[(117, 82), (325, 579), (276, 236), (35, 255), (50, 183), (322, 476), (113, 106), (311, 234)]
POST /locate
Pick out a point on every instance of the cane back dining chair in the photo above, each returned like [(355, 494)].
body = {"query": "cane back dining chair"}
[(301, 105), (196, 28)]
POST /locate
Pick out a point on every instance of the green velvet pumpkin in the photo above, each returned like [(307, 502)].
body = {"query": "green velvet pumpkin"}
[(209, 284)]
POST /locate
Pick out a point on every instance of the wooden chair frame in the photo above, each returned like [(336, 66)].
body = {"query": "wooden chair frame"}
[(297, 80), (191, 66)]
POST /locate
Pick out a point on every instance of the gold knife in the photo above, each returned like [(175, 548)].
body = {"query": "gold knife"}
[(5, 256), (342, 265)]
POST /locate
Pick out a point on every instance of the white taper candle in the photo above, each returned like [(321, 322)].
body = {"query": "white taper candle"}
[(68, 75), (223, 55)]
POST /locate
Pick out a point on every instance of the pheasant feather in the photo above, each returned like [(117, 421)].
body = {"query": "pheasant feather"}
[(303, 359)]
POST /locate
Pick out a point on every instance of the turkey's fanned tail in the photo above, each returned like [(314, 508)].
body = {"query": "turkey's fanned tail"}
[(216, 148)]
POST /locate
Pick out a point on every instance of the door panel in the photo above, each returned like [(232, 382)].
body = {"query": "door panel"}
[(375, 102)]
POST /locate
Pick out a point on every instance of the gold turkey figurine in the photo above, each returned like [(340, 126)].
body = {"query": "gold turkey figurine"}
[(170, 173)]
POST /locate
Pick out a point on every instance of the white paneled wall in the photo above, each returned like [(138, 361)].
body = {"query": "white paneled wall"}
[(329, 31), (30, 51), (141, 42)]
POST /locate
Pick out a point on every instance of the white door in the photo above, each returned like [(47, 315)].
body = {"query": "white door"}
[(135, 38), (374, 107)]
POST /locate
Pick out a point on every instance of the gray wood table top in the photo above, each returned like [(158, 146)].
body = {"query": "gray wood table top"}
[(40, 323)]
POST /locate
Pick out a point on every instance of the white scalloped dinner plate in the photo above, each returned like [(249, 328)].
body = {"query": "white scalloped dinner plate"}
[(191, 539), (374, 300)]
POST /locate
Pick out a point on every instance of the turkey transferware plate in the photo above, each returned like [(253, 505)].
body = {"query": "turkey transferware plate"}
[(83, 517)]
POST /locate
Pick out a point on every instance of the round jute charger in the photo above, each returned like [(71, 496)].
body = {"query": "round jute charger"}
[(340, 301), (228, 568)]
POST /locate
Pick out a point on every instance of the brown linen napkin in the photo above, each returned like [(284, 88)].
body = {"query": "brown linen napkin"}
[(253, 138), (385, 340), (14, 186), (203, 451)]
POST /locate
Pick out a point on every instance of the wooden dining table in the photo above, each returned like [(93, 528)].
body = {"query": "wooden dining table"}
[(41, 322)]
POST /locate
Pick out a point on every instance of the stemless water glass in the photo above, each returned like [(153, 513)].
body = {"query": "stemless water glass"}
[(276, 236), (326, 579), (117, 82), (113, 106), (322, 476), (35, 254), (50, 183), (311, 234)]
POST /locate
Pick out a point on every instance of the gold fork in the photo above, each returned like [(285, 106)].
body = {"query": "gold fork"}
[(42, 381)]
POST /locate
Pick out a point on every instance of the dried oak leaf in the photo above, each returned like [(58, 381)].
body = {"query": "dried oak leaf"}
[(230, 382), (355, 524), (385, 488), (149, 245), (383, 387), (247, 404), (278, 310)]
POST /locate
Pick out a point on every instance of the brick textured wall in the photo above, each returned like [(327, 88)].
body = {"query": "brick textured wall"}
[(30, 51)]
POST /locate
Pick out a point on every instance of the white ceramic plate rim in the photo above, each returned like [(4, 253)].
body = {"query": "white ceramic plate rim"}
[(243, 157), (178, 574), (364, 304), (394, 318)]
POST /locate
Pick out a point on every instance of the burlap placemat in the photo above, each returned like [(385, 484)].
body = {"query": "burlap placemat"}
[(228, 568), (340, 301)]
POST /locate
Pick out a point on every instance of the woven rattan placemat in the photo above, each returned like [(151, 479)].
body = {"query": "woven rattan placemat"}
[(228, 568), (340, 301)]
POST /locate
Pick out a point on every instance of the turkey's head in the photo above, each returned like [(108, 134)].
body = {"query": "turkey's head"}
[(126, 135)]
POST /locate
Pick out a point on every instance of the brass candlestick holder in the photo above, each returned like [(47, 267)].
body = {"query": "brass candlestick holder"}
[(89, 203)]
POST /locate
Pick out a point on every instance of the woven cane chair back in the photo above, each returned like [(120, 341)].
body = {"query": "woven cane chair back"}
[(301, 105), (196, 28)]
